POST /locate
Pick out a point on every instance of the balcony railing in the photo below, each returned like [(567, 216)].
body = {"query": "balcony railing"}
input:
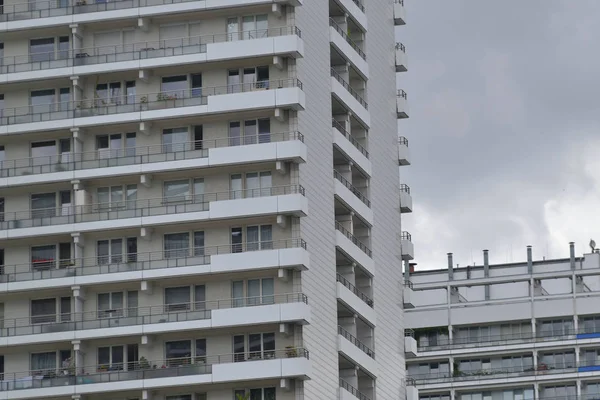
[(353, 239), (131, 52), (137, 103), (403, 141), (133, 208), (402, 93), (406, 236), (348, 336), (133, 155), (115, 318), (346, 86), (399, 2), (359, 5), (354, 290), (354, 190), (131, 262), (347, 38), (405, 188), (130, 371), (400, 46), (348, 136), (353, 390)]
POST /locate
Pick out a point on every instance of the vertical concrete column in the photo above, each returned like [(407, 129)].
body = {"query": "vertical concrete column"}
[(529, 259), (450, 267), (486, 272), (572, 254)]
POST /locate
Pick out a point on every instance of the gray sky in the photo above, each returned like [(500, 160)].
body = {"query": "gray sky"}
[(504, 128)]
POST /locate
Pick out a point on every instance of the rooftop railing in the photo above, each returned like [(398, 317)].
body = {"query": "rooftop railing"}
[(131, 262), (354, 290), (347, 38), (352, 339), (348, 136), (358, 394), (134, 103), (133, 208), (114, 318), (133, 155), (130, 371), (131, 52), (354, 190), (353, 239), (347, 86)]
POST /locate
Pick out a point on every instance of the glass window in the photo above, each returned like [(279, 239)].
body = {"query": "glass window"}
[(43, 205), (259, 237), (174, 87), (110, 305), (178, 352), (42, 101), (43, 311), (239, 348), (177, 298), (235, 134), (177, 191), (110, 251), (175, 139), (43, 257), (236, 240), (130, 92), (43, 363), (199, 190), (200, 297), (199, 243), (233, 81), (111, 358), (130, 141), (176, 245), (44, 153), (41, 49), (233, 29)]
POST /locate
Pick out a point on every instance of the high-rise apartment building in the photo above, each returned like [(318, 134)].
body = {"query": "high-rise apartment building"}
[(518, 331), (199, 199)]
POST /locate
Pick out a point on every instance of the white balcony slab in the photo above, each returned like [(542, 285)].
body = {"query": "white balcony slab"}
[(357, 305), (399, 13), (344, 96), (134, 12), (408, 249), (408, 296), (285, 45), (401, 59), (356, 204), (402, 107), (357, 14), (410, 347), (294, 150), (286, 98), (267, 314), (406, 203), (351, 151), (295, 204), (403, 154), (412, 393), (362, 66), (264, 369), (354, 252), (348, 349)]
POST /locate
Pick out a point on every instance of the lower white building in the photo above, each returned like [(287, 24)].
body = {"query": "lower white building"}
[(528, 330)]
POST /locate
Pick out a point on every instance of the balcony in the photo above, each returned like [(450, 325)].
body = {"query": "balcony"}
[(408, 294), (281, 93), (410, 344), (284, 253), (284, 41), (350, 146), (401, 58), (352, 197), (406, 204), (149, 212), (355, 300), (48, 13), (403, 151), (349, 392), (279, 308), (412, 393), (399, 12), (349, 97), (408, 250), (155, 158), (174, 373), (401, 104), (355, 8), (356, 351), (354, 248), (350, 50)]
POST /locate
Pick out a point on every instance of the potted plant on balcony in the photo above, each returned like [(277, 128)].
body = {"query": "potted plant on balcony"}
[(291, 351), (143, 363), (240, 396)]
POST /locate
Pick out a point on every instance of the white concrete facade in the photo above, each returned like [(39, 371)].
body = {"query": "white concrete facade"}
[(520, 331), (192, 203)]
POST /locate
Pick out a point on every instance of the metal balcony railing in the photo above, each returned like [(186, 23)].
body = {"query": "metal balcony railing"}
[(408, 284), (399, 2), (138, 370), (347, 86), (406, 236), (351, 42), (348, 336), (354, 290), (400, 46), (118, 263), (131, 52), (353, 390), (403, 141), (402, 93), (354, 190), (359, 5), (114, 318), (348, 136), (133, 155), (405, 188), (133, 208), (134, 103), (353, 239), (409, 333)]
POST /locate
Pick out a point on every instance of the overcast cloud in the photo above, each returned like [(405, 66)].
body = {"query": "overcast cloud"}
[(504, 128)]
